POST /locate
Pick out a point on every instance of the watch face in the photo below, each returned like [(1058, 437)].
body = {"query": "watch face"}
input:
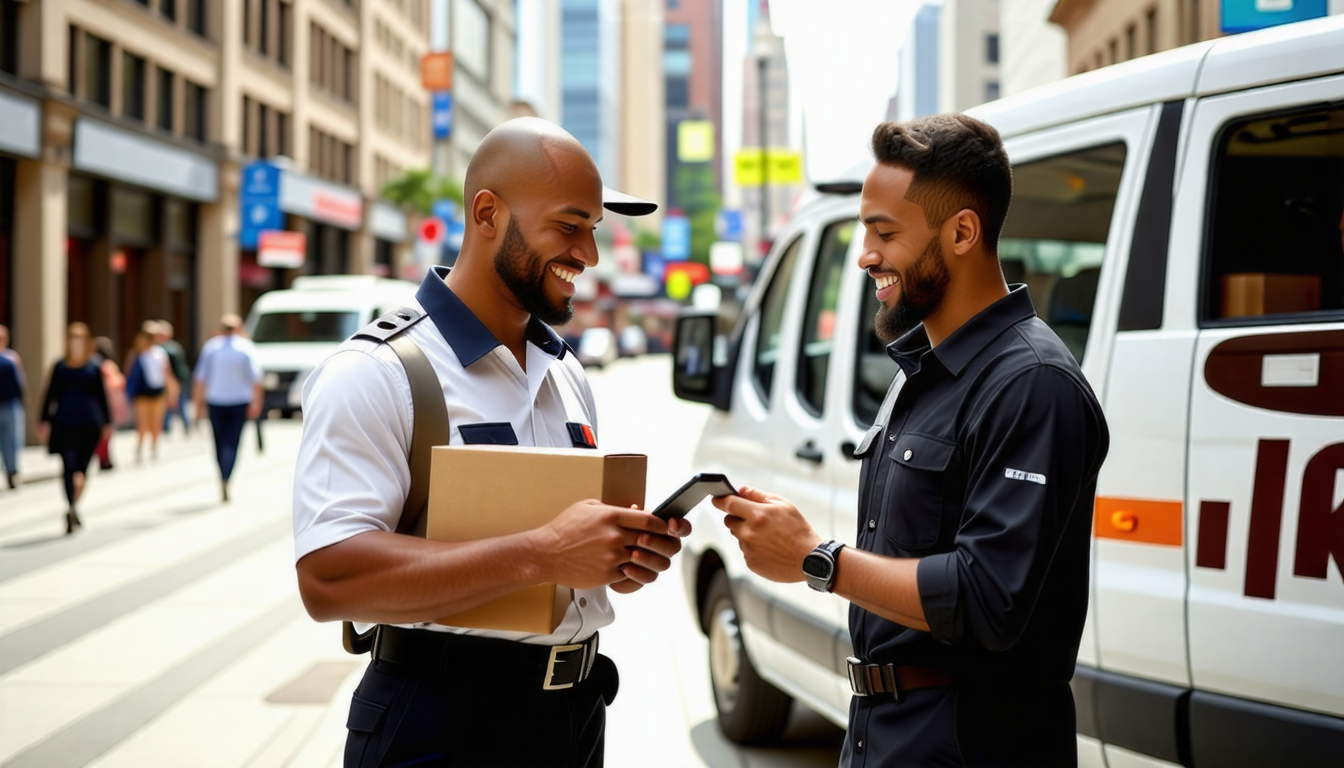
[(817, 566)]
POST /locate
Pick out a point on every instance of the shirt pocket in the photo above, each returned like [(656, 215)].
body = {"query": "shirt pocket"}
[(489, 433), (916, 488)]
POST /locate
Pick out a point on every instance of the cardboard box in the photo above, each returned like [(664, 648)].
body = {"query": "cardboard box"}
[(481, 491), (1251, 294)]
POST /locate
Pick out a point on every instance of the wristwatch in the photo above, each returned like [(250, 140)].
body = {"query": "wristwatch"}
[(819, 565)]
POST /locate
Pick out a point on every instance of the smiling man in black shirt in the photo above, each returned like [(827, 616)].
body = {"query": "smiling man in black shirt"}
[(969, 581)]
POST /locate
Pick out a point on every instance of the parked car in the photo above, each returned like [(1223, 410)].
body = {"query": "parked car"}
[(295, 329), (633, 341), (597, 347), (1176, 220)]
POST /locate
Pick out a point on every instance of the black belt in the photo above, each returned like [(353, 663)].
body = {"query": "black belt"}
[(554, 667), (873, 679)]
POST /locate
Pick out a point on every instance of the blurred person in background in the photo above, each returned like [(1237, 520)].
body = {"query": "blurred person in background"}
[(114, 383), (177, 358), (227, 380), (75, 414), (11, 390), (149, 378), (15, 438)]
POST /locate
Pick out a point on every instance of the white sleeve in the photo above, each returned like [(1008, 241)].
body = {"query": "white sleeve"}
[(352, 474)]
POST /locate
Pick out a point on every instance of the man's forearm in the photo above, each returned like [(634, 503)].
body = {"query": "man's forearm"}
[(397, 579), (886, 586)]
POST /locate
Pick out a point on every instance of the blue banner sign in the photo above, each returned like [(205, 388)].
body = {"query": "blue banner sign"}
[(259, 203), (676, 238), (1248, 15), (441, 114)]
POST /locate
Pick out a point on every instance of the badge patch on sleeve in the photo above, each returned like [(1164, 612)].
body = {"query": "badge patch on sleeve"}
[(1030, 477), (582, 435)]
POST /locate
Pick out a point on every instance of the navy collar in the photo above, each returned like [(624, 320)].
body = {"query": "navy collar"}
[(464, 332), (960, 348)]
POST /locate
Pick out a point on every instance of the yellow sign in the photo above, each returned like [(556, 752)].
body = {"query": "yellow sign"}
[(678, 286), (782, 166), (695, 141)]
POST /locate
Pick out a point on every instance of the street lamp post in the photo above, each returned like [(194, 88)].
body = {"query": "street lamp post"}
[(763, 68)]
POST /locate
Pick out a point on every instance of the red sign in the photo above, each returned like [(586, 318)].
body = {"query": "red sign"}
[(432, 230), (436, 71), (697, 272), (279, 248)]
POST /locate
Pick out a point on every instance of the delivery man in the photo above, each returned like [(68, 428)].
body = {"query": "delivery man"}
[(438, 695)]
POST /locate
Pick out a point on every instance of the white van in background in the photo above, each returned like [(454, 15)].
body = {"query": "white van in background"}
[(1177, 221), (296, 329)]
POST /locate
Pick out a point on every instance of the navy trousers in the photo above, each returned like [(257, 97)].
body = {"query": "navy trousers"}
[(227, 423), (401, 716)]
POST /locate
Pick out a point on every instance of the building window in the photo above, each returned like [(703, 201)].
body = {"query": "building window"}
[(1114, 48), (263, 131), (245, 144), (332, 65), (194, 99), (991, 90), (196, 13), (164, 117), (97, 70), (1152, 30), (283, 23), (992, 48), (9, 36), (132, 86), (1131, 42), (168, 9)]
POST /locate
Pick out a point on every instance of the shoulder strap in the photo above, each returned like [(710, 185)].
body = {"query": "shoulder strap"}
[(429, 427), (430, 414)]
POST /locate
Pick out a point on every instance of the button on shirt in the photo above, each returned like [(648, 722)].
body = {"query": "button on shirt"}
[(229, 369), (352, 474), (986, 469)]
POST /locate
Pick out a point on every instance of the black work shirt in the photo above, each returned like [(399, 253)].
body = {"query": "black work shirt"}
[(986, 470)]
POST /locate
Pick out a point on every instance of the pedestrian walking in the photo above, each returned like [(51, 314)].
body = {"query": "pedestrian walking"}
[(114, 383), (177, 359), (15, 438), (11, 389), (147, 382), (436, 694), (75, 415), (227, 381), (968, 579)]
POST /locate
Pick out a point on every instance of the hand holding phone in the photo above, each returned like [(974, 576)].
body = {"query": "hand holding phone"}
[(695, 490)]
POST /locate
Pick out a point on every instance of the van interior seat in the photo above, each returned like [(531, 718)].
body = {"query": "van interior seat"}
[(1071, 304)]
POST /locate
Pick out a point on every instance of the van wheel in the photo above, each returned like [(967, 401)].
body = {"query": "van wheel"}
[(286, 413), (750, 709)]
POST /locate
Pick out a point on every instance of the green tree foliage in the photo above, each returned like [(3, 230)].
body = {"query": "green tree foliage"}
[(417, 189), (700, 201)]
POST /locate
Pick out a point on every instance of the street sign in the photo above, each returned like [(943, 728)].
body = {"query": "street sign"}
[(725, 258), (695, 141), (1248, 15), (280, 248), (747, 170), (259, 203), (441, 115), (676, 238), (436, 71), (730, 225), (432, 230), (781, 166), (445, 209)]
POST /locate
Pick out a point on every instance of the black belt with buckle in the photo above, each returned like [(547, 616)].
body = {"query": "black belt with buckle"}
[(872, 679), (555, 667)]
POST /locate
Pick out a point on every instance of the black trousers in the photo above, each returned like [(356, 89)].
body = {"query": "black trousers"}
[(402, 716), (984, 726), (226, 422)]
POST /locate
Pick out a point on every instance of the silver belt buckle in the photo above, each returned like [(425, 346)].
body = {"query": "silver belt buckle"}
[(870, 679), (548, 684)]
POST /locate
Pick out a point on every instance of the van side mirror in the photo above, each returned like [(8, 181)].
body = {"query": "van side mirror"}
[(696, 376)]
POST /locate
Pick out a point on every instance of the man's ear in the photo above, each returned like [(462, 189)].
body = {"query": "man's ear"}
[(487, 213), (964, 230)]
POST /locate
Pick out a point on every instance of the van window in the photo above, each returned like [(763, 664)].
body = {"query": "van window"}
[(1055, 235), (279, 327), (1275, 250), (819, 322), (874, 367), (768, 335)]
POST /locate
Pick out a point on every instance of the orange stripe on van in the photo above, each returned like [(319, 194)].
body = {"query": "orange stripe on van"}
[(1144, 521)]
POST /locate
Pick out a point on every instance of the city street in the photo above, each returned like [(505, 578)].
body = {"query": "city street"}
[(168, 632)]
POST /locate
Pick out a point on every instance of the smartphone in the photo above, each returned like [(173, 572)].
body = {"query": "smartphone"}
[(693, 492)]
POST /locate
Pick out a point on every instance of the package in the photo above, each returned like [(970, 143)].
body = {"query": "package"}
[(1250, 294), (482, 491)]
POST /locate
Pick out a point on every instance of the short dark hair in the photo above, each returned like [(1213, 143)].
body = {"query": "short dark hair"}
[(958, 162)]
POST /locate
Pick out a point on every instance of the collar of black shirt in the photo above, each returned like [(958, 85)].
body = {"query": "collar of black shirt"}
[(960, 348)]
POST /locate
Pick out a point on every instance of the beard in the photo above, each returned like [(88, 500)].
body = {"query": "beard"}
[(922, 288), (523, 271)]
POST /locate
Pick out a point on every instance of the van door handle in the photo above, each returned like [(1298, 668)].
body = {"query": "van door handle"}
[(809, 452)]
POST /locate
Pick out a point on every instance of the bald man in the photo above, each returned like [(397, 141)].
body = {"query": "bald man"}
[(447, 695)]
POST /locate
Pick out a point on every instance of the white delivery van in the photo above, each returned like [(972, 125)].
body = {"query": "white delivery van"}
[(1177, 220), (295, 329)]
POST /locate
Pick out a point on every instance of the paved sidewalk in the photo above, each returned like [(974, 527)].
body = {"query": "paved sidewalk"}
[(36, 465)]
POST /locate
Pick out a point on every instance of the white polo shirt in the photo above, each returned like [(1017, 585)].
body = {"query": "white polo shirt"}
[(353, 475)]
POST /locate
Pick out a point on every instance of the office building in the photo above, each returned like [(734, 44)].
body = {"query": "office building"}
[(1031, 49), (968, 65)]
